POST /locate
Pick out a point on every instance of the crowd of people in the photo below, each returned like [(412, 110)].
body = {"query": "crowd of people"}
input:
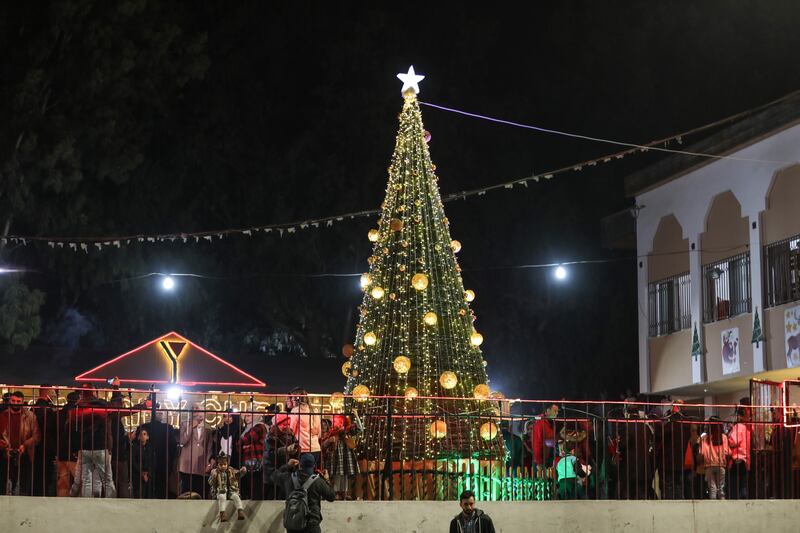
[(634, 453), (84, 449)]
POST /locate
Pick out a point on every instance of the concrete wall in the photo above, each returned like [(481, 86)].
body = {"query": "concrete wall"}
[(773, 328), (713, 336), (67, 515), (670, 360), (726, 232)]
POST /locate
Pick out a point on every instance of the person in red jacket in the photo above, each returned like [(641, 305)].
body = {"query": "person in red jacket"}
[(543, 439)]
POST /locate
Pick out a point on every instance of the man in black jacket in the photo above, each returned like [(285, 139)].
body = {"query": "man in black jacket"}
[(318, 491), (470, 519)]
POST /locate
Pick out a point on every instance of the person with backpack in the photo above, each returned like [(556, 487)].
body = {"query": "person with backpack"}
[(306, 490)]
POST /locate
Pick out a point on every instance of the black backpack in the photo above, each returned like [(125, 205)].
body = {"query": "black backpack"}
[(295, 514)]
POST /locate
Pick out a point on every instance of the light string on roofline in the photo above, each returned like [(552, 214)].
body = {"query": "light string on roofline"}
[(100, 242)]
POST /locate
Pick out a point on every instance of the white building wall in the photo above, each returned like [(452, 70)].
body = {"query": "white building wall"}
[(689, 198)]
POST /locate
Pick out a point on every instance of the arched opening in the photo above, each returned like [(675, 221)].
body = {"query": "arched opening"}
[(668, 277), (725, 257)]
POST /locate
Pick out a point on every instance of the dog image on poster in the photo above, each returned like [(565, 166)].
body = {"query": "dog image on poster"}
[(730, 351), (791, 325)]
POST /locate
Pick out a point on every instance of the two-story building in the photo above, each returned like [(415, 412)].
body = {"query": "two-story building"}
[(718, 246)]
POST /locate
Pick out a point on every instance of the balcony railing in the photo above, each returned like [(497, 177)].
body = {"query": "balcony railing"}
[(95, 447), (669, 305), (726, 288), (782, 271)]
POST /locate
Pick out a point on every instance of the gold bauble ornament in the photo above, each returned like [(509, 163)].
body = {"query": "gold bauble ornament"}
[(481, 391), (430, 318), (402, 267), (392, 296), (448, 379), (396, 224), (370, 259), (361, 393), (488, 431), (346, 369), (469, 295), (336, 401), (373, 235), (347, 350), (377, 292), (438, 429), (497, 395), (462, 312), (476, 339), (455, 246), (354, 373), (366, 279), (411, 393), (385, 251), (370, 338), (485, 363), (401, 364), (419, 282)]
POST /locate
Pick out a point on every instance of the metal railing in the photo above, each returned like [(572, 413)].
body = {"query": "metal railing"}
[(94, 446), (669, 303), (782, 271), (726, 288)]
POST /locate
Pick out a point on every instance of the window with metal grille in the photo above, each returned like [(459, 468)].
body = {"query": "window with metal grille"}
[(782, 271), (726, 288), (670, 310)]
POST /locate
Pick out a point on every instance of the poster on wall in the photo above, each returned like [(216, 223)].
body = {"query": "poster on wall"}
[(791, 330), (730, 351)]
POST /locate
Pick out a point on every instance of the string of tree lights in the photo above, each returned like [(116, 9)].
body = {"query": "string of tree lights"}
[(87, 243), (415, 337)]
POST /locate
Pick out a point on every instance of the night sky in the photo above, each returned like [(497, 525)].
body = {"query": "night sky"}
[(153, 117)]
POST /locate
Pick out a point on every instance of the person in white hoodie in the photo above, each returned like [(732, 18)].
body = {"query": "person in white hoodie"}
[(305, 423)]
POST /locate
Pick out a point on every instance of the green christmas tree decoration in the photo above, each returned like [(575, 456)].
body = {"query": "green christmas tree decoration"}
[(758, 335), (417, 375), (695, 345)]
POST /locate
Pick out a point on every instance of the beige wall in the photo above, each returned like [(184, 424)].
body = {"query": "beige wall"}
[(670, 361), (663, 262), (53, 515), (781, 220), (731, 398), (774, 335), (713, 338), (726, 232)]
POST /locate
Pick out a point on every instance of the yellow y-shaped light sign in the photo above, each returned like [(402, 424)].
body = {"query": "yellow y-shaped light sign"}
[(173, 350)]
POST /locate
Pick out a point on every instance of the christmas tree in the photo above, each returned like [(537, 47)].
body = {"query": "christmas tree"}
[(417, 376)]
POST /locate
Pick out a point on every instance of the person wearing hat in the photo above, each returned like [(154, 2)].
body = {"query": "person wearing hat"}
[(320, 489), (224, 482)]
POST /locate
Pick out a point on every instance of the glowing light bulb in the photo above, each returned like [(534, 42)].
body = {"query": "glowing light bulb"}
[(401, 364), (481, 391), (476, 338), (430, 318), (419, 282), (366, 279), (167, 283), (560, 272)]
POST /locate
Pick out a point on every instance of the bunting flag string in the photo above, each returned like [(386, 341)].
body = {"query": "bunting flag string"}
[(84, 243)]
